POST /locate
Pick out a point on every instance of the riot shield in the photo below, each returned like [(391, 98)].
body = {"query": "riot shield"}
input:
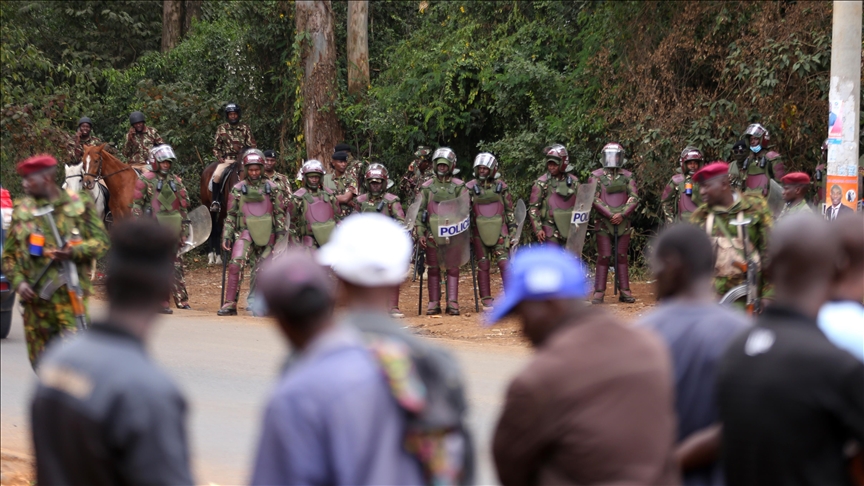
[(282, 245), (411, 214), (580, 217), (452, 231), (775, 197), (519, 214), (200, 225)]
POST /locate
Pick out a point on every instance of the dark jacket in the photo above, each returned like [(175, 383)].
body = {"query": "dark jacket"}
[(595, 406), (103, 413)]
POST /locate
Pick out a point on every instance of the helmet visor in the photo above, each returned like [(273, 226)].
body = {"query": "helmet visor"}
[(163, 152), (612, 158)]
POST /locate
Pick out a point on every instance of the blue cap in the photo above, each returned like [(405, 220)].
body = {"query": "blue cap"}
[(541, 273)]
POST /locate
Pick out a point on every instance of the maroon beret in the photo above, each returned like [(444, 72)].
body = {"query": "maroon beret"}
[(710, 171), (796, 178), (35, 164)]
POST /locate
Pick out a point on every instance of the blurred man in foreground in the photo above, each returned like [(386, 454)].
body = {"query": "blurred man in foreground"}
[(789, 399), (842, 318), (370, 253), (697, 331), (103, 413), (595, 405)]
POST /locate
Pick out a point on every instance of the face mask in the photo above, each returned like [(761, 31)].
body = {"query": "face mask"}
[(756, 149)]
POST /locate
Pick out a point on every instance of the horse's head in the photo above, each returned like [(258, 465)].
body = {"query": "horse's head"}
[(92, 165), (74, 174)]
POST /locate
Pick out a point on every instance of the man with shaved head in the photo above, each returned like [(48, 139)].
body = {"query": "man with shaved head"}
[(842, 319), (789, 399)]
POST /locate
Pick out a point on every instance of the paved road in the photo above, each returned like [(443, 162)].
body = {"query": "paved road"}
[(226, 367)]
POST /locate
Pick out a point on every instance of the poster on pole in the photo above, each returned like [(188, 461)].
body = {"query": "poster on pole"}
[(835, 122)]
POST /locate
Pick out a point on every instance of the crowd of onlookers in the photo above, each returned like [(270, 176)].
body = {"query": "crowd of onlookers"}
[(694, 393)]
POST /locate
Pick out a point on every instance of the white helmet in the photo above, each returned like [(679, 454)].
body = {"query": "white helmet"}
[(485, 159), (312, 166), (162, 152), (613, 156), (448, 155)]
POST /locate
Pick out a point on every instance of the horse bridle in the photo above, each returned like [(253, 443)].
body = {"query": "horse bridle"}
[(98, 175)]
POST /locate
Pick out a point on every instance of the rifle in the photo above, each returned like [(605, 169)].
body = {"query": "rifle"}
[(752, 284), (68, 277), (615, 258)]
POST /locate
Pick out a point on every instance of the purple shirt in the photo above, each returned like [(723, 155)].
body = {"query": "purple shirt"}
[(333, 420)]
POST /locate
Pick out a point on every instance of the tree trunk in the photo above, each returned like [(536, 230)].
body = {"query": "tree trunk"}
[(172, 23), (321, 127), (358, 46), (192, 10)]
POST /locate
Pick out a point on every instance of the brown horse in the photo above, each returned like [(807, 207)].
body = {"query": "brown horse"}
[(120, 179), (230, 178)]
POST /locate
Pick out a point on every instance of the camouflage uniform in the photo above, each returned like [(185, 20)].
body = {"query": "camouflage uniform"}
[(282, 181), (539, 214), (609, 201), (251, 243), (392, 207), (356, 169), (754, 207), (493, 204), (44, 320), (166, 199), (674, 207), (302, 199), (75, 146), (230, 139), (138, 145), (410, 184), (799, 207), (339, 185)]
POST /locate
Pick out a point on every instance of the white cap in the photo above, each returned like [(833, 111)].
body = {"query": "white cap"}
[(369, 250)]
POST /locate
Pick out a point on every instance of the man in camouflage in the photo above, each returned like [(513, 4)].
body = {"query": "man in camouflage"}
[(615, 201), (342, 183), (231, 138), (31, 246), (254, 224), (419, 171), (739, 155), (722, 205), (376, 199), (83, 137), (552, 198), (796, 185), (441, 188), (160, 194), (493, 225), (316, 210), (681, 195), (356, 167), (282, 181), (139, 140)]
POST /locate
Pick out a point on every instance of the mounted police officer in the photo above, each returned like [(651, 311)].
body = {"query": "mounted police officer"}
[(139, 140), (231, 139), (494, 226), (376, 199), (552, 198), (419, 171), (443, 187), (32, 249), (316, 210), (614, 204), (255, 222), (342, 183), (759, 168), (681, 196), (83, 137), (161, 194)]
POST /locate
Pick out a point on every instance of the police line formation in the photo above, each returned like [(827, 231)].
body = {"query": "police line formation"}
[(452, 222)]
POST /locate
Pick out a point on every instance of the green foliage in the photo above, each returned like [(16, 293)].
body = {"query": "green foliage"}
[(508, 76)]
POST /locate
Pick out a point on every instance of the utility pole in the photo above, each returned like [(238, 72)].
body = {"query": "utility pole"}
[(844, 100)]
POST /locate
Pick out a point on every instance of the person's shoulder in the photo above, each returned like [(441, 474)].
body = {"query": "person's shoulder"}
[(238, 186), (754, 202), (598, 173), (543, 179), (700, 214), (428, 183), (470, 184), (457, 181), (300, 192), (390, 197), (772, 155), (678, 178), (625, 173)]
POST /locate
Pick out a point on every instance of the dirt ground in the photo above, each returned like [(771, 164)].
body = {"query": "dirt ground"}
[(204, 286), (16, 469)]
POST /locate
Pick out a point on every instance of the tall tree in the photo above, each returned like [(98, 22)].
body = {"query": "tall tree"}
[(321, 127), (172, 23), (358, 46), (191, 10)]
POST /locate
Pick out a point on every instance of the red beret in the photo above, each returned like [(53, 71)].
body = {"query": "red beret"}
[(710, 171), (35, 164), (793, 178)]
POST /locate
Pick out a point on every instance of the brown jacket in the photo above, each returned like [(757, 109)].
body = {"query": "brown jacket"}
[(595, 406)]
